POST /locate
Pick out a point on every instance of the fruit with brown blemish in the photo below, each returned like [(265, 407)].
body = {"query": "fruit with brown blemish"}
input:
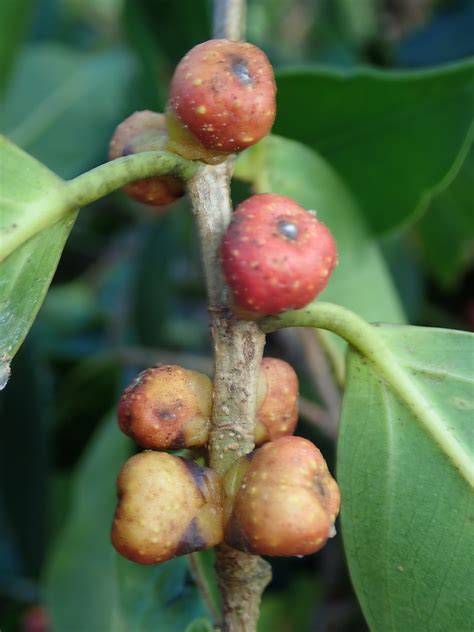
[(280, 500), (145, 131), (167, 506), (277, 401), (167, 408), (222, 100), (275, 255)]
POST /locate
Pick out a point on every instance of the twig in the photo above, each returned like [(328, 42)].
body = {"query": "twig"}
[(203, 588), (317, 417), (229, 19), (322, 377), (238, 349)]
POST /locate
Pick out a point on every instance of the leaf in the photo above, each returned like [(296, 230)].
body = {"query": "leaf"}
[(87, 585), (407, 482), (200, 625), (62, 105), (445, 232), (360, 280), (278, 612), (26, 274), (395, 138), (176, 26), (14, 15)]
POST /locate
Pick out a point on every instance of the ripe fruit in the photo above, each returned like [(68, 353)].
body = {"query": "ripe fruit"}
[(280, 500), (222, 99), (277, 402), (167, 408), (167, 506), (145, 131), (276, 256)]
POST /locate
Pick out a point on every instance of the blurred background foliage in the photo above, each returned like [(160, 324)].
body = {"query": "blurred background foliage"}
[(129, 289)]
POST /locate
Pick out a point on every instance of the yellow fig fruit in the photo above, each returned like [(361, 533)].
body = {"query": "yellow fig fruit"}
[(167, 408), (280, 500), (167, 506)]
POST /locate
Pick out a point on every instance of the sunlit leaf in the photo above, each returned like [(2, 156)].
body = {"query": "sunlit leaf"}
[(406, 471), (26, 274), (394, 137), (63, 105)]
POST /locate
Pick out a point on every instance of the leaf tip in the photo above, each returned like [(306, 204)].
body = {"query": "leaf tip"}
[(5, 372)]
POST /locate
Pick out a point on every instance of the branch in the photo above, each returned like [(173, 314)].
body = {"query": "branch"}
[(317, 417), (238, 349), (229, 19), (322, 377)]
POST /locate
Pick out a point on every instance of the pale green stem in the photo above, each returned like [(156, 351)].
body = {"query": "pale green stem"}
[(367, 340), (70, 195)]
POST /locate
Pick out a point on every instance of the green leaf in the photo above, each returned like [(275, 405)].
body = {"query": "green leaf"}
[(395, 138), (14, 15), (200, 625), (175, 26), (278, 612), (406, 471), (87, 585), (445, 232), (26, 274), (37, 214), (62, 105), (282, 166)]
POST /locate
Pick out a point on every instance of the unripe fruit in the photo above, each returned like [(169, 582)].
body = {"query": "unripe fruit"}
[(280, 500), (167, 506), (275, 255), (145, 131), (167, 408), (222, 99), (277, 401)]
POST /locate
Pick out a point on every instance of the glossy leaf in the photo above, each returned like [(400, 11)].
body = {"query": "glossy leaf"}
[(175, 26), (14, 16), (445, 233), (120, 595), (62, 106), (200, 625), (26, 274), (407, 497), (282, 166), (395, 138)]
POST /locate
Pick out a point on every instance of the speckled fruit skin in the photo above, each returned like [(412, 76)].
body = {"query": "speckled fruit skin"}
[(167, 408), (167, 506), (280, 500), (277, 401), (275, 255), (145, 131), (223, 94)]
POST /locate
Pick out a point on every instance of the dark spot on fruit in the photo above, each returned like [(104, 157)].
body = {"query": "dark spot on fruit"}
[(235, 535), (192, 540), (288, 229), (198, 474), (241, 71), (166, 415), (320, 487), (128, 150)]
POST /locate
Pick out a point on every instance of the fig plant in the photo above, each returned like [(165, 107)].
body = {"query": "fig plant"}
[(405, 467)]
